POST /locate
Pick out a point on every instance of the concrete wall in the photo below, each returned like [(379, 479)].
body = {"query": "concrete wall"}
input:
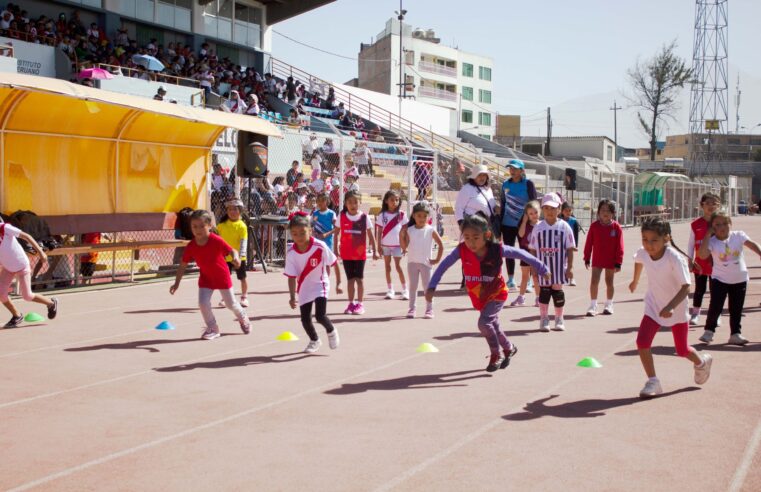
[(376, 75), (32, 58), (591, 147), (145, 88)]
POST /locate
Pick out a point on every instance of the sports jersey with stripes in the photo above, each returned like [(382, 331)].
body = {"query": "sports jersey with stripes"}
[(390, 225), (551, 243), (310, 269)]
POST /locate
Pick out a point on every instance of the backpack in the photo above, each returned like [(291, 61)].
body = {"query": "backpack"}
[(36, 227), (182, 224)]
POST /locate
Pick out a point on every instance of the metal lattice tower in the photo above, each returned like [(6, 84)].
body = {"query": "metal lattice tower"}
[(709, 98)]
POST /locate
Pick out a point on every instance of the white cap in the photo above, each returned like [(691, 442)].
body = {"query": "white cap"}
[(479, 169)]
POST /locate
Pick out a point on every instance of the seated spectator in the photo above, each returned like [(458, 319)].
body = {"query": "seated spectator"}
[(277, 184), (293, 118), (330, 101), (339, 112), (328, 147), (159, 96), (290, 176), (235, 104), (253, 105), (314, 101)]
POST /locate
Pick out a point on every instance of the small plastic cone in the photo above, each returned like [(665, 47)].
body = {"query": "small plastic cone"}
[(427, 348), (589, 362), (287, 336), (165, 325), (32, 317)]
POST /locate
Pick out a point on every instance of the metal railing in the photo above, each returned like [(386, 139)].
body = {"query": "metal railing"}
[(155, 77), (427, 66), (28, 37), (424, 91)]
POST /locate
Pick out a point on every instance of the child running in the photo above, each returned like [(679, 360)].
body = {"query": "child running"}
[(552, 242), (604, 249), (232, 228), (668, 282), (481, 257), (709, 203), (388, 226), (208, 250), (324, 228), (15, 265), (729, 277), (528, 221), (417, 242), (566, 213), (356, 229), (307, 264)]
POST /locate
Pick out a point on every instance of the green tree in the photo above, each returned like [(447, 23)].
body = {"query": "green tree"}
[(656, 83)]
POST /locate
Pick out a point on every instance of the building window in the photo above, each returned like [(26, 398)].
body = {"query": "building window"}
[(467, 93), (248, 22), (487, 137), (467, 116), (484, 73), (484, 96), (484, 119), (467, 70), (610, 153)]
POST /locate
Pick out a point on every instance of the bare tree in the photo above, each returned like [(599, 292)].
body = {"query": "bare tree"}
[(656, 84)]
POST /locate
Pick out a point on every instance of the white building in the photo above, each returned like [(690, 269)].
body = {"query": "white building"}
[(433, 73)]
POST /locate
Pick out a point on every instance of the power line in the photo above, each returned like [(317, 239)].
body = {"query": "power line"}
[(325, 51)]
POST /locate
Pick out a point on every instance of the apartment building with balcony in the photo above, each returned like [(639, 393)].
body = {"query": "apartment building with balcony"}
[(432, 73), (732, 147)]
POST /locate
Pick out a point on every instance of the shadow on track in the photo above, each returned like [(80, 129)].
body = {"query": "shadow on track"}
[(410, 382), (239, 362)]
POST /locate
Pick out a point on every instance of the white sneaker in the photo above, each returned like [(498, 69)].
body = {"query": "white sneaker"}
[(313, 346), (221, 303), (544, 325), (592, 311), (390, 293), (737, 339), (694, 318), (333, 339), (652, 389), (210, 334), (608, 308), (572, 283), (706, 337), (718, 321), (406, 295), (702, 373), (559, 324), (244, 301), (411, 313)]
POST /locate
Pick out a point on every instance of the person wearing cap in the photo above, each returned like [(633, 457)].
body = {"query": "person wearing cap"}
[(552, 242), (476, 196), (234, 231), (517, 191), (160, 94)]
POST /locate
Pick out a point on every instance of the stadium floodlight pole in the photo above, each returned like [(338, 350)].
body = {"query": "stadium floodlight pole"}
[(402, 87)]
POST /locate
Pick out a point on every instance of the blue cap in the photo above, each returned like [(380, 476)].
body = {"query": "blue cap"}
[(516, 163)]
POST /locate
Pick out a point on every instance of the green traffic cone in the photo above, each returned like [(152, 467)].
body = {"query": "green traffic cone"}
[(427, 348), (589, 362), (32, 317)]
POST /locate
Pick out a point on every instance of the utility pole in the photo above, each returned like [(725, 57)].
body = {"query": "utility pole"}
[(549, 132), (615, 110), (402, 86)]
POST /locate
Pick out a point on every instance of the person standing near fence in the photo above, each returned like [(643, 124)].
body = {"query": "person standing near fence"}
[(702, 268), (517, 191)]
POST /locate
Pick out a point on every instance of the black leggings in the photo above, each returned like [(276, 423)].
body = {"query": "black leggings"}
[(321, 304), (719, 293), (509, 235), (701, 282)]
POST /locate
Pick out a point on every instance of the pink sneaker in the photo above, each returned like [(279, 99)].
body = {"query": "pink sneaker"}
[(428, 312), (519, 301), (245, 326), (358, 309), (350, 308), (411, 313)]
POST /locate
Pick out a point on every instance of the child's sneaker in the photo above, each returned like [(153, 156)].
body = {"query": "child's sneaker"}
[(572, 283), (313, 346), (358, 309), (244, 301), (651, 390), (53, 310), (510, 283), (495, 361), (544, 325), (703, 371), (15, 321), (592, 310), (706, 337), (519, 301), (608, 308), (333, 339), (428, 312), (694, 316), (390, 293), (210, 333), (411, 313), (245, 326), (509, 355), (350, 308), (406, 295), (559, 324), (737, 339), (536, 302), (221, 303)]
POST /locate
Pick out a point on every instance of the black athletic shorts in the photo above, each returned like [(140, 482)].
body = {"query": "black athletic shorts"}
[(354, 268), (239, 272)]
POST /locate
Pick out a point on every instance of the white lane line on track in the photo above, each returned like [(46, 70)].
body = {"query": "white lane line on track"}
[(750, 452)]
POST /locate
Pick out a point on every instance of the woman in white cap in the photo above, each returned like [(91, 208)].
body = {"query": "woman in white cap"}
[(476, 196), (517, 191)]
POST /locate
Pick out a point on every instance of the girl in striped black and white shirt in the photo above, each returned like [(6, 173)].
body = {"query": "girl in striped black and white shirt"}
[(553, 244)]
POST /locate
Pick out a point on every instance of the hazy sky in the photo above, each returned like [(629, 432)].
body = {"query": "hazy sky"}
[(569, 55)]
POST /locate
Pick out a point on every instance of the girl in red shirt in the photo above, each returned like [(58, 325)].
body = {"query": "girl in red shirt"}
[(208, 251), (605, 247), (356, 229), (709, 203)]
